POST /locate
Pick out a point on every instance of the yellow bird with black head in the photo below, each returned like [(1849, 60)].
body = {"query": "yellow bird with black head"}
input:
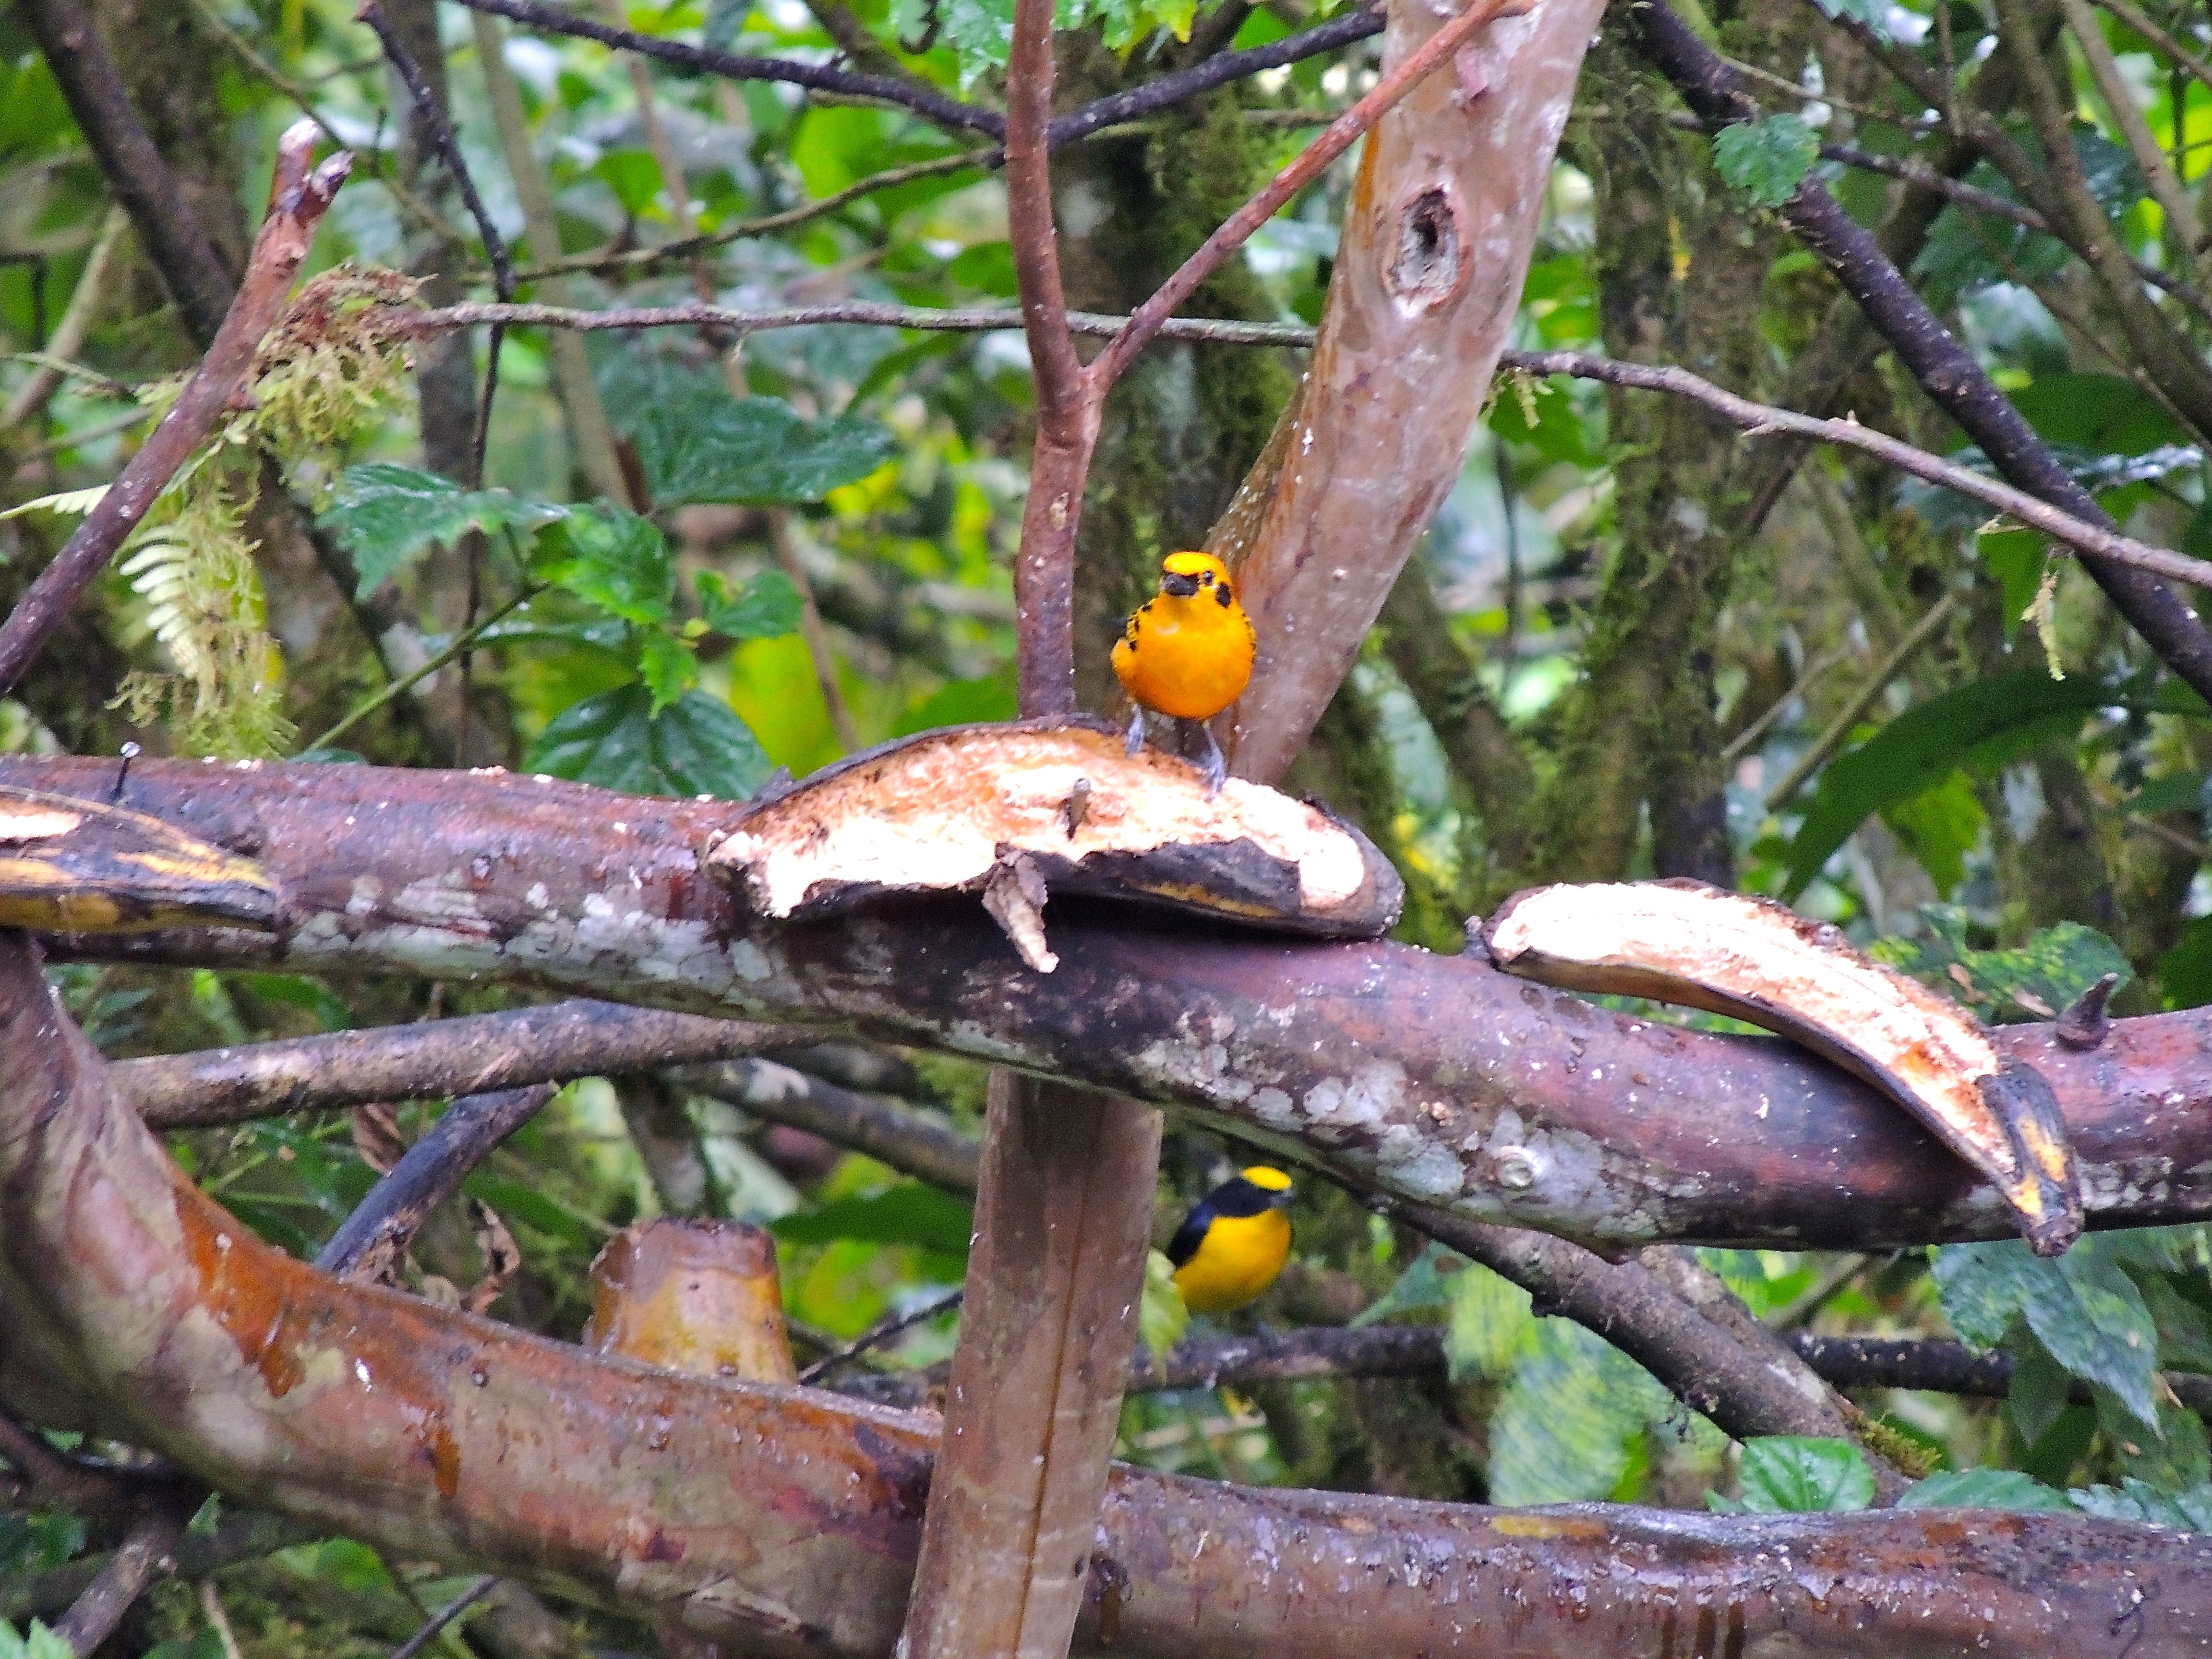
[(1233, 1242)]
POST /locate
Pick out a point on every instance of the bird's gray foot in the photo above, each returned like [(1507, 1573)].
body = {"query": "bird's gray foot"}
[(1211, 765), (1136, 743)]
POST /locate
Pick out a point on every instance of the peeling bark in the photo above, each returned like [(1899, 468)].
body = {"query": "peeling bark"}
[(787, 1519)]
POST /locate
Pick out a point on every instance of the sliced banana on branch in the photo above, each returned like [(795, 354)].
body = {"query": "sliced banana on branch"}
[(1685, 942)]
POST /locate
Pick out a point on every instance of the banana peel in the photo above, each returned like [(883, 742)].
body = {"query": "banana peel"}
[(1730, 953), (71, 865), (1014, 811)]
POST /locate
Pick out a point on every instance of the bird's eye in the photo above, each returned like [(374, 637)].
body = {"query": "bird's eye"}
[(1206, 579)]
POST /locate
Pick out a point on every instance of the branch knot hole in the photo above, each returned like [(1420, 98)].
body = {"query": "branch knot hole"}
[(1431, 265)]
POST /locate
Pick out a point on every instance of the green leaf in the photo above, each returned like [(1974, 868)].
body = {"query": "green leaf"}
[(1977, 726), (667, 664), (708, 445), (1492, 1329), (2039, 1392), (611, 557), (1162, 1315), (962, 702), (1427, 1286), (1790, 1474), (2085, 1311), (1766, 159), (1568, 1425), (2036, 980), (37, 1642), (1982, 1489), (206, 1518), (1939, 827), (695, 747), (2134, 1500), (767, 607), (38, 1542), (387, 516), (907, 1213)]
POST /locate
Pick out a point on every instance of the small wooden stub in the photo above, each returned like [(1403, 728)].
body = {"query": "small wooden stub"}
[(80, 867), (1684, 942), (963, 809), (702, 1296)]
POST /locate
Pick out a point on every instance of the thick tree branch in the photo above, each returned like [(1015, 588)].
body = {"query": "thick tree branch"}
[(1944, 370), (1435, 1079), (297, 199), (785, 1520)]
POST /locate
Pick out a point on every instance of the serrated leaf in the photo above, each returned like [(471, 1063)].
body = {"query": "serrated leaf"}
[(1426, 1286), (386, 515), (695, 747), (1162, 1315), (2086, 1312), (1983, 1489), (667, 664), (1766, 159), (1565, 1425), (611, 557), (708, 445), (2134, 1500), (767, 607), (1976, 727), (1792, 1474)]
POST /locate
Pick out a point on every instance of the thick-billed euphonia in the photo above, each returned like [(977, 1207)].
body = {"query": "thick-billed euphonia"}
[(1187, 652), (1233, 1242)]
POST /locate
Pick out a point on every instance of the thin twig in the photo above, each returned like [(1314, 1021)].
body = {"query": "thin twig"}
[(462, 642), (1358, 24), (705, 60), (1334, 141), (2140, 21), (432, 114), (880, 1333), (84, 303), (1839, 729), (869, 313), (371, 1242), (298, 197), (812, 630), (1773, 711), (1755, 419), (445, 1616), (219, 1620), (646, 258)]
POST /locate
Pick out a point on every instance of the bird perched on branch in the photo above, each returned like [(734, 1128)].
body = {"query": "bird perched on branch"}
[(1233, 1242), (1187, 652)]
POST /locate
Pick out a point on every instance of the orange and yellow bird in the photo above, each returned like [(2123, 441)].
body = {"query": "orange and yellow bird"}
[(1187, 652)]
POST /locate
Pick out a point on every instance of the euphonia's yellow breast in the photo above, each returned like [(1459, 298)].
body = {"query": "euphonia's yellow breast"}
[(1237, 1259)]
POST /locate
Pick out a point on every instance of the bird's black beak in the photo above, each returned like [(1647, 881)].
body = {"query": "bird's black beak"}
[(1181, 587)]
